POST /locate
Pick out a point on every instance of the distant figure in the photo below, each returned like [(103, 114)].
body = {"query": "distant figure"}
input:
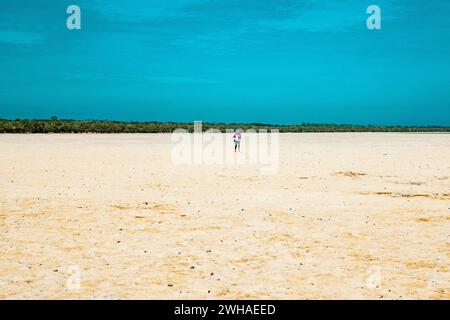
[(237, 140)]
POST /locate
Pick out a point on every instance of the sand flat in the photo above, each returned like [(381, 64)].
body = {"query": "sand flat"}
[(348, 216)]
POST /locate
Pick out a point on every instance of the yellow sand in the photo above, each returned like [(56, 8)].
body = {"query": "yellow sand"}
[(348, 216)]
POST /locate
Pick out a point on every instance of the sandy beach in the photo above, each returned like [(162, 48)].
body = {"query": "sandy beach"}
[(347, 216)]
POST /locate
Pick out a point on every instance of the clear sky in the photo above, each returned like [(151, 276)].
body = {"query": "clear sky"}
[(271, 61)]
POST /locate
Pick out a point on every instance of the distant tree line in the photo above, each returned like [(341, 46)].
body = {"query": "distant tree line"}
[(55, 125)]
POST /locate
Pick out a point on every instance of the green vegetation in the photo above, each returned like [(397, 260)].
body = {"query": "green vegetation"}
[(55, 125)]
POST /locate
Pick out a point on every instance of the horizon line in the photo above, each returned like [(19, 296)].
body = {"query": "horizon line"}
[(303, 123)]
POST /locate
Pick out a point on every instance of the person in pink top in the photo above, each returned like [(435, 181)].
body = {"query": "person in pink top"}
[(237, 140)]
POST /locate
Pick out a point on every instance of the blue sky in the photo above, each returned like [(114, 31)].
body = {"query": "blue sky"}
[(271, 61)]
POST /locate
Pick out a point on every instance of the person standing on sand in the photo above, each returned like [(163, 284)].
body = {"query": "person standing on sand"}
[(237, 140)]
